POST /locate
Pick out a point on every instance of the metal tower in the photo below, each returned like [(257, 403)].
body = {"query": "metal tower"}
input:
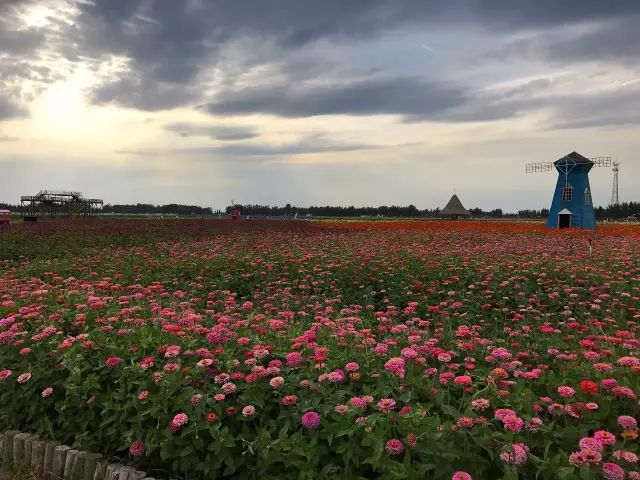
[(615, 199)]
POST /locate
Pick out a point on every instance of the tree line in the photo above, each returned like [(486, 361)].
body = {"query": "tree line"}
[(620, 211), (138, 208)]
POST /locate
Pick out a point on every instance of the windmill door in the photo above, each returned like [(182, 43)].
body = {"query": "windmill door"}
[(564, 218)]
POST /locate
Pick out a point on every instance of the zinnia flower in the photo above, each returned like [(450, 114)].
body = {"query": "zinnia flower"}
[(112, 361), (565, 391), (136, 449), (394, 446), (248, 411), (311, 420), (611, 471), (276, 382), (178, 421), (461, 476), (211, 417), (625, 421), (386, 405), (604, 437)]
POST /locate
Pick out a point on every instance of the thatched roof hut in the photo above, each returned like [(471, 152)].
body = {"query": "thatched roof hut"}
[(454, 209)]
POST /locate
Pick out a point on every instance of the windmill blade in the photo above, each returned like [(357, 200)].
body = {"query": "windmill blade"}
[(539, 167), (601, 161)]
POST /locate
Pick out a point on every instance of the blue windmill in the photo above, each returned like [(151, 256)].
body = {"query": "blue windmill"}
[(572, 205)]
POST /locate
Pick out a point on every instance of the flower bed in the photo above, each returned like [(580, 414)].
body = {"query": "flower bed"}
[(331, 351)]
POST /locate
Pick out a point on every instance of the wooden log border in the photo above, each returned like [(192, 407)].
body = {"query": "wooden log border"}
[(51, 461)]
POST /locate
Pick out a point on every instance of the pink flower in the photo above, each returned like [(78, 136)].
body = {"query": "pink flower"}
[(502, 413), (480, 404), (611, 471), (625, 421), (171, 367), (534, 424), (289, 400), (465, 422), (205, 362), (112, 361), (513, 423), (136, 449), (395, 366), (229, 388), (337, 376), (172, 351), (4, 374), (276, 382), (352, 367), (386, 405), (409, 353), (566, 392), (24, 377), (604, 437), (294, 359), (311, 420), (516, 454), (590, 443), (143, 395), (460, 475), (341, 409), (249, 411), (178, 421), (46, 392), (394, 446)]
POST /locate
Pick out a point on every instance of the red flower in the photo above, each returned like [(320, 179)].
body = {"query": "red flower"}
[(589, 387), (211, 417), (136, 449)]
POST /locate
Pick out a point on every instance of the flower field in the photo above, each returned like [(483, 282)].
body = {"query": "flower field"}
[(312, 350)]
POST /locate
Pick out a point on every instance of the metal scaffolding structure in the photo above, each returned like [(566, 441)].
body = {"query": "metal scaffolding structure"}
[(548, 166), (615, 195), (57, 203)]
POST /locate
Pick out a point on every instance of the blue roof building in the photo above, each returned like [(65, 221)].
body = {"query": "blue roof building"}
[(572, 205)]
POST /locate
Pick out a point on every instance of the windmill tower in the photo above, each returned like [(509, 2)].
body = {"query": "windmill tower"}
[(615, 199), (572, 205)]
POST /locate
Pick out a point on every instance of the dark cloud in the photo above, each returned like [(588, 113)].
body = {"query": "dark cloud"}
[(613, 40), (171, 46), (9, 108), (307, 145), (217, 132), (400, 95), (143, 94), (171, 42), (612, 108)]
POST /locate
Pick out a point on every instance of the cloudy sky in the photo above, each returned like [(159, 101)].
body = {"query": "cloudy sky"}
[(316, 102)]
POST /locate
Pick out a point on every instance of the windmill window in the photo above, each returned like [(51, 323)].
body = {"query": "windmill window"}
[(567, 193), (587, 196)]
